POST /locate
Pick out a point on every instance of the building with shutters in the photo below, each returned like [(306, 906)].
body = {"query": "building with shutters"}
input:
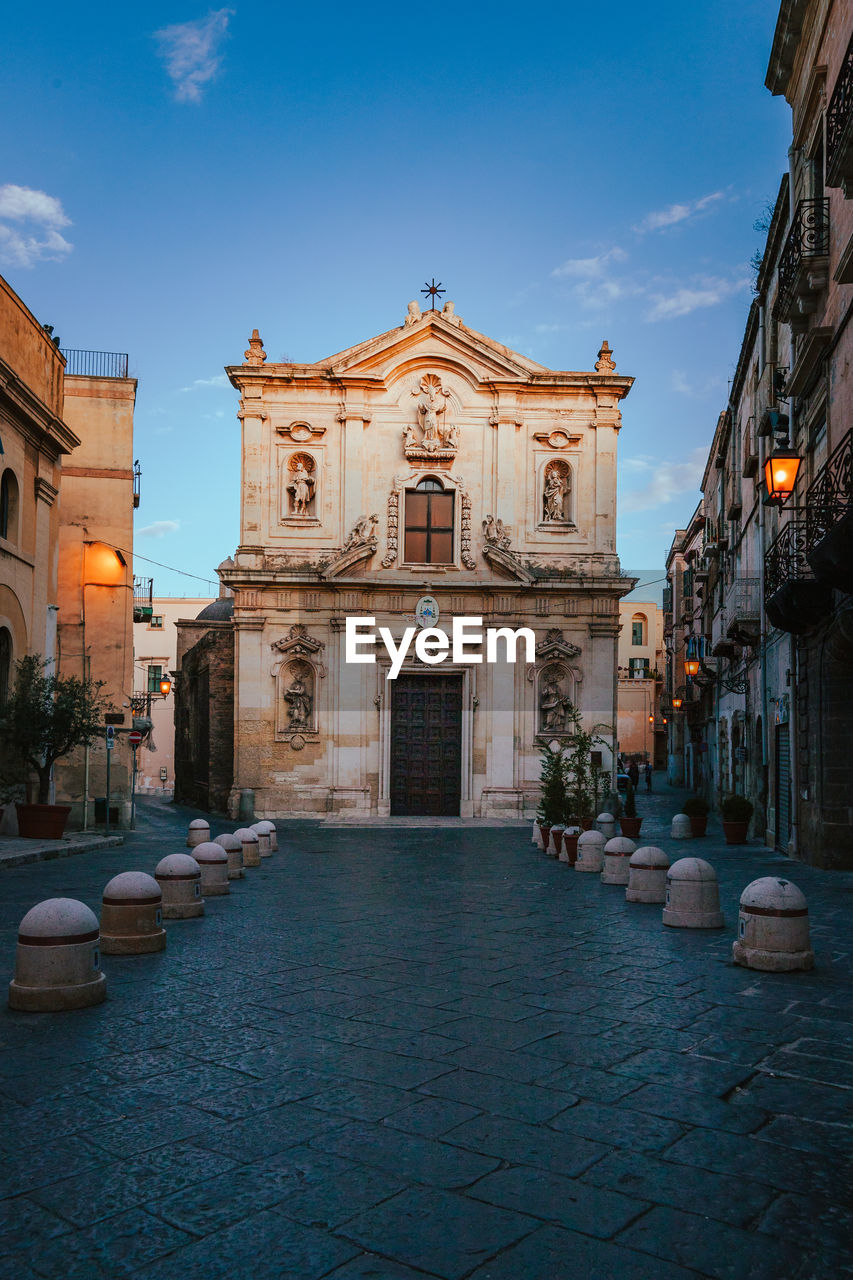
[(421, 476)]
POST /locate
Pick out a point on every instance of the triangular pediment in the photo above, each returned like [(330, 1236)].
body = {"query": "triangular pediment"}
[(435, 340)]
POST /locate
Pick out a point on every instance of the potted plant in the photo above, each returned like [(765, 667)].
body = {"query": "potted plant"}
[(552, 799), (629, 823), (44, 718), (696, 808), (570, 837), (736, 812), (583, 778)]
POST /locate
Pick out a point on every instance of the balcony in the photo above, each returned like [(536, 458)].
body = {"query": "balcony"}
[(143, 599), (743, 611), (95, 364), (734, 497), (750, 449), (839, 129), (804, 264), (794, 600), (829, 519)]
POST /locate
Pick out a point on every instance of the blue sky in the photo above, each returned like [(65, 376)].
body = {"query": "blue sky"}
[(178, 175)]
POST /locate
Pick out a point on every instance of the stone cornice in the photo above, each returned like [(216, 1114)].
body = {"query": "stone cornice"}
[(31, 416)]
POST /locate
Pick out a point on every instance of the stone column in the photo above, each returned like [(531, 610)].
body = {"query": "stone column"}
[(252, 685), (254, 481)]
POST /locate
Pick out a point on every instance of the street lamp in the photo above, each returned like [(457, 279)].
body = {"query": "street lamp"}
[(780, 474), (165, 686), (676, 704), (691, 667)]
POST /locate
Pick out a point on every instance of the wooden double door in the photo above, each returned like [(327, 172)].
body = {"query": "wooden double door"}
[(426, 745)]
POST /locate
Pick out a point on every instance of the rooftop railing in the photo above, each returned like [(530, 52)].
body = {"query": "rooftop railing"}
[(95, 364)]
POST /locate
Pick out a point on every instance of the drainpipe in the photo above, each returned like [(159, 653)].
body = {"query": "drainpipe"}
[(762, 358)]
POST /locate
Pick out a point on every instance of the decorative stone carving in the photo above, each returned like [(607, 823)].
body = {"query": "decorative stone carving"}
[(557, 438), (448, 312), (255, 354), (301, 484), (299, 697), (556, 490), (605, 362), (467, 558), (360, 545), (300, 432), (296, 674), (393, 522), (496, 533), (439, 439), (413, 314), (299, 644), (554, 646)]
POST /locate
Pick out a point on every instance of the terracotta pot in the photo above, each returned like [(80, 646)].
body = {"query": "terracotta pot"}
[(556, 841), (699, 824), (545, 832), (735, 832), (42, 821), (570, 844), (630, 826), (587, 823)]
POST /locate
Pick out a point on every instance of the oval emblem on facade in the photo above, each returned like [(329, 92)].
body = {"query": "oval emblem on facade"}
[(426, 611)]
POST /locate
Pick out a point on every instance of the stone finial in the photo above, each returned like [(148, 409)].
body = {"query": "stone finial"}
[(256, 353), (413, 313), (448, 311), (605, 362)]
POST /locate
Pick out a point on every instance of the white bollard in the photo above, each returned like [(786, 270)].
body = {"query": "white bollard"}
[(647, 875), (773, 927)]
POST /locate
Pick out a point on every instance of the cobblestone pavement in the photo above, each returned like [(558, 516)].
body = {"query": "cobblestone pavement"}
[(399, 1053)]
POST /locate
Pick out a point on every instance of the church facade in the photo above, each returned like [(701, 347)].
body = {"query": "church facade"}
[(425, 475)]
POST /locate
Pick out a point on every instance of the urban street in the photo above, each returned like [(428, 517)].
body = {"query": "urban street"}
[(425, 1049)]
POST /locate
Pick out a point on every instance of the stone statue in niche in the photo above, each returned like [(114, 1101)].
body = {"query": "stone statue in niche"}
[(554, 702), (556, 491), (299, 697), (496, 532), (301, 484), (439, 438)]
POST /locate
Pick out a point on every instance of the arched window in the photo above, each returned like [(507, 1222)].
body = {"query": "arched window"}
[(5, 664), (429, 524), (9, 506), (639, 629)]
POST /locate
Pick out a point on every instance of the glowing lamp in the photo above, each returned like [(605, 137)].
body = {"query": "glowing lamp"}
[(165, 686), (651, 719), (691, 666), (780, 474), (676, 704)]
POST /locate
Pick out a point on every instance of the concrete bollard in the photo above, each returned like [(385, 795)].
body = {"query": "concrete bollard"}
[(555, 840), (773, 927), (132, 915), (535, 837), (179, 878), (251, 849), (606, 825), (264, 846), (692, 896), (267, 829), (234, 848), (647, 875), (680, 828), (213, 860), (57, 962), (199, 832), (569, 851), (590, 851), (617, 853)]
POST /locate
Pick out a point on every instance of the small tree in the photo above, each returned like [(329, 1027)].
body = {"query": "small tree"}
[(583, 778), (552, 799), (44, 718), (630, 802)]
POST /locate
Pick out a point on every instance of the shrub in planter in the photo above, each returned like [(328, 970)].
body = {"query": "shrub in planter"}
[(552, 797), (629, 822), (737, 812), (696, 808), (45, 718)]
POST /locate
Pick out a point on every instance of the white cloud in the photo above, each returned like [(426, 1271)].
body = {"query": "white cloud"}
[(159, 529), (681, 382), (666, 480), (675, 213), (218, 380), (707, 293), (35, 237), (589, 268), (190, 51)]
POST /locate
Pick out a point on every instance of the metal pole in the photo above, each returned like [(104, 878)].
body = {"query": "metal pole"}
[(109, 758), (133, 792)]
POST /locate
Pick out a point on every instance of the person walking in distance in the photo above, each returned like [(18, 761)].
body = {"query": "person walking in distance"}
[(634, 774), (648, 774)]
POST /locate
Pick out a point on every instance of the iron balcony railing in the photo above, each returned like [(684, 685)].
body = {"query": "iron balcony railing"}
[(830, 495), (744, 599), (807, 239), (838, 116), (95, 364), (143, 597), (785, 558)]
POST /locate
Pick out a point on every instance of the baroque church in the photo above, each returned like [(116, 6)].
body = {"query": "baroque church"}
[(426, 474)]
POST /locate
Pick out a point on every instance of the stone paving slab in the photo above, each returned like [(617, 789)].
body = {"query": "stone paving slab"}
[(380, 1058), (15, 851)]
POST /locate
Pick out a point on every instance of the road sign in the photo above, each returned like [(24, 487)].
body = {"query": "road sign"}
[(111, 737), (134, 737)]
